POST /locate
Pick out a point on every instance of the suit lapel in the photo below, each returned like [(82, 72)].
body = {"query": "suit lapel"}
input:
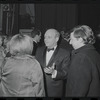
[(53, 57)]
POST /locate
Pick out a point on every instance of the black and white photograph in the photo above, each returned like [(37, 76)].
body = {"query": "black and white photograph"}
[(50, 50)]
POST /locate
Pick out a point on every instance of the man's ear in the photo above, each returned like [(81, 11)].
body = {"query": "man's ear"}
[(81, 40), (36, 36), (57, 38)]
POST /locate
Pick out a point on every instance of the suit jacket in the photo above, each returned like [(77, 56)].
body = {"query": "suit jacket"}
[(84, 73), (35, 45), (55, 86)]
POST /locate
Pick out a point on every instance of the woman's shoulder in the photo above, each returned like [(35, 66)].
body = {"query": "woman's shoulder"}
[(25, 60)]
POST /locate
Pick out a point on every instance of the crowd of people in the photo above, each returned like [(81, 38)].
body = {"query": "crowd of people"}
[(70, 69)]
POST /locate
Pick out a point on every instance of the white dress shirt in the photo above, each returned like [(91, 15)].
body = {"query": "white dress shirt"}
[(48, 57), (34, 40)]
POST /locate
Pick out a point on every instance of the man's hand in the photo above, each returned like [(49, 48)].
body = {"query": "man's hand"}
[(50, 70)]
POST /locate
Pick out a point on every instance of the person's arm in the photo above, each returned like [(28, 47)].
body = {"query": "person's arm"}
[(63, 71), (38, 81)]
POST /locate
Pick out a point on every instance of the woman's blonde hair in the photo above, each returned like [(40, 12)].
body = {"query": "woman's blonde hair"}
[(20, 44)]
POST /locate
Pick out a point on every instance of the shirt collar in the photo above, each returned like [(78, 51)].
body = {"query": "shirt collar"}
[(34, 40), (55, 47)]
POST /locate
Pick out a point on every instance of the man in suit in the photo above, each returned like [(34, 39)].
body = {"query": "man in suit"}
[(83, 78), (36, 35), (54, 61)]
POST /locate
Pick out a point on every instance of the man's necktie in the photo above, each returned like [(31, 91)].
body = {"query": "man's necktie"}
[(48, 49)]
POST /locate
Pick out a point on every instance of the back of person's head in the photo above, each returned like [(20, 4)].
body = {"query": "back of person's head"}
[(35, 32), (85, 32), (20, 44)]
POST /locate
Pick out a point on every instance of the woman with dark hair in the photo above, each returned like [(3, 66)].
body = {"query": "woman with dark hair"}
[(83, 78)]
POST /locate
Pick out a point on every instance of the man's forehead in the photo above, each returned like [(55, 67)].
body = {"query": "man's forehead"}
[(50, 33)]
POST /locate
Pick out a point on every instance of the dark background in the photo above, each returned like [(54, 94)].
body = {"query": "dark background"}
[(54, 15), (61, 16)]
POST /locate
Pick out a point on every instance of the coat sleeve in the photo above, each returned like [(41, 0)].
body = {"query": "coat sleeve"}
[(63, 67), (79, 77), (37, 81)]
